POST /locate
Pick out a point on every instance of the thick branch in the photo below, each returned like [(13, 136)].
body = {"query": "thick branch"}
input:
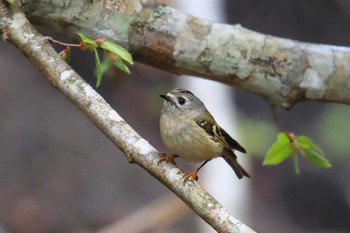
[(282, 70), (16, 29)]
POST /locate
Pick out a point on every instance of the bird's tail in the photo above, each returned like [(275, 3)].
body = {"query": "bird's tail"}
[(231, 159)]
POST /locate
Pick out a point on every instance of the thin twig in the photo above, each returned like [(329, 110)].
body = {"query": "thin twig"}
[(61, 43), (276, 120)]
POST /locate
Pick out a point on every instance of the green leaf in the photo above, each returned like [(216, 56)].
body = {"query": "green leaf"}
[(67, 57), (98, 68), (312, 152), (86, 39), (296, 164), (117, 50), (306, 142), (87, 43), (279, 151), (316, 158), (106, 64), (121, 66)]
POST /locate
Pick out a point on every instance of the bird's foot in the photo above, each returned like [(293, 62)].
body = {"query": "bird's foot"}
[(191, 175), (166, 157)]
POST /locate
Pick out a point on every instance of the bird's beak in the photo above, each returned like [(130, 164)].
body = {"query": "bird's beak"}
[(167, 98), (164, 97)]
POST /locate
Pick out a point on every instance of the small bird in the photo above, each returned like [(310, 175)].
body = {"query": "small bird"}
[(190, 132)]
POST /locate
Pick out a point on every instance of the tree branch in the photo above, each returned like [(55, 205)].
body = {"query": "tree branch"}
[(16, 29), (281, 70)]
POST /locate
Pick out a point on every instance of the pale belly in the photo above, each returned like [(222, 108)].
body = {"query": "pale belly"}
[(182, 141)]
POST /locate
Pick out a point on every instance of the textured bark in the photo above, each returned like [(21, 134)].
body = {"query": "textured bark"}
[(15, 28), (281, 70)]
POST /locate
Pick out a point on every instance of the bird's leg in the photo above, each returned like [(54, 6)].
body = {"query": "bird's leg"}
[(169, 158), (193, 174)]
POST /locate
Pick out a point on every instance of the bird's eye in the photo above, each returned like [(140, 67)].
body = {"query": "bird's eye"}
[(181, 101)]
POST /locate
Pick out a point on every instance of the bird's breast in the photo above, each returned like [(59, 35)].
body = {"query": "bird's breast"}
[(187, 140)]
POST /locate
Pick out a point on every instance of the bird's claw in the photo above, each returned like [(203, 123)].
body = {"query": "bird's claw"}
[(166, 157), (191, 176)]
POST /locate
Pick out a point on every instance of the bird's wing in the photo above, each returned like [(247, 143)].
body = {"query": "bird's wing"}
[(231, 142), (218, 134)]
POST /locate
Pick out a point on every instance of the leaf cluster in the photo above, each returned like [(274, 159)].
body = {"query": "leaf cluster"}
[(115, 54), (290, 145)]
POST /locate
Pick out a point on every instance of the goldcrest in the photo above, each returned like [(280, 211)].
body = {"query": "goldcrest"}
[(190, 132)]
